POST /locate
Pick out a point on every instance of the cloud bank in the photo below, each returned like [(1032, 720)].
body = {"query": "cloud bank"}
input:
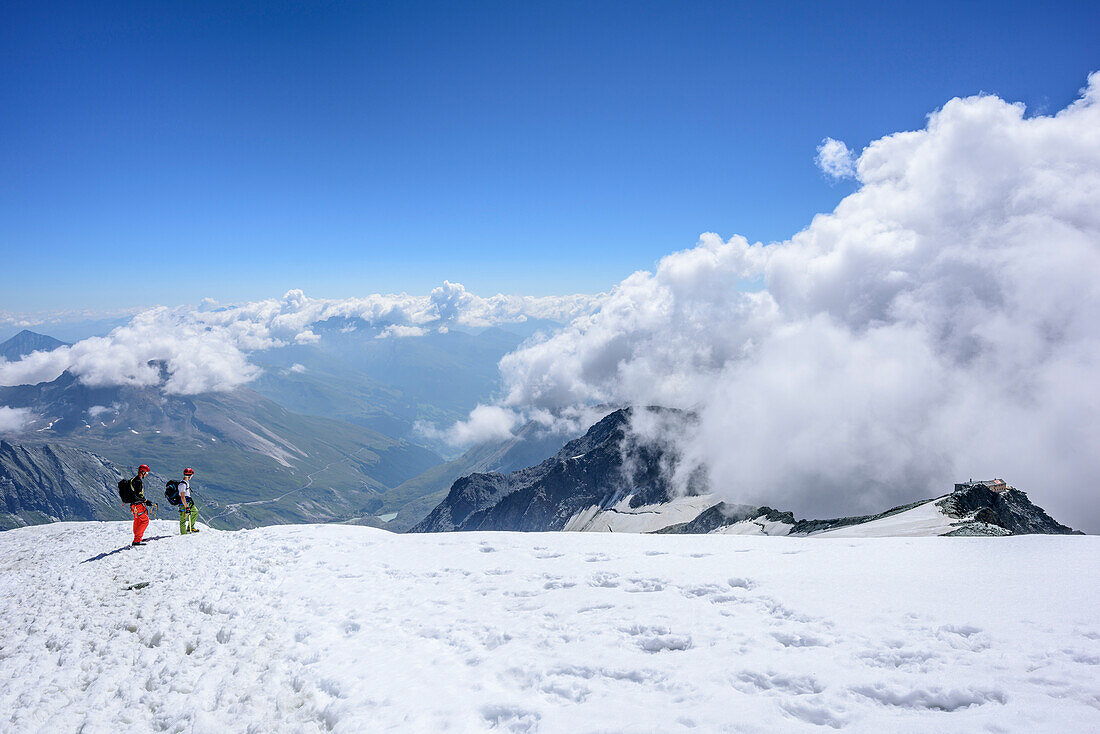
[(941, 323), (206, 349)]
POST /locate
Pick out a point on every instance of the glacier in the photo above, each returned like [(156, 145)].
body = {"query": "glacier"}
[(330, 628)]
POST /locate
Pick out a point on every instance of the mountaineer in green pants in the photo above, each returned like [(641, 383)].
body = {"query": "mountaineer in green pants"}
[(187, 506)]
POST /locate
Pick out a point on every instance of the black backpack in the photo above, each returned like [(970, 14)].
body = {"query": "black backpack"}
[(126, 491), (172, 491)]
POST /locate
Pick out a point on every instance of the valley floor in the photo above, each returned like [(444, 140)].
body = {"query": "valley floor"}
[(352, 629)]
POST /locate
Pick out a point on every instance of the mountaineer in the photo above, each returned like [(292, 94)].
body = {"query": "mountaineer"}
[(132, 491), (187, 505)]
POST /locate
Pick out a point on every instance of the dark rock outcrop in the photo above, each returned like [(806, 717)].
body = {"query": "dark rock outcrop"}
[(1010, 511), (600, 469), (724, 514)]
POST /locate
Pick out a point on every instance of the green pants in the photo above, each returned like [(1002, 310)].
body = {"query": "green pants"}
[(188, 512)]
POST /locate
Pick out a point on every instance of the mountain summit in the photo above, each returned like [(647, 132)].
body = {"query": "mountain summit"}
[(25, 342), (609, 469)]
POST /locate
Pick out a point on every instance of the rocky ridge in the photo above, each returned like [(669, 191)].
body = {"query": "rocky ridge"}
[(609, 480)]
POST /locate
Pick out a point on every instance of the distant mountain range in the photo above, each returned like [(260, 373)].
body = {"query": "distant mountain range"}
[(260, 462), (314, 442), (256, 462), (610, 481)]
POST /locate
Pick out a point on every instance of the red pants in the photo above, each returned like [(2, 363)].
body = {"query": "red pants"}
[(141, 521)]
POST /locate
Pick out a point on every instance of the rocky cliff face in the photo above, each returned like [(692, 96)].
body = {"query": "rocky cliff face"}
[(603, 468), (45, 483), (413, 499), (982, 511)]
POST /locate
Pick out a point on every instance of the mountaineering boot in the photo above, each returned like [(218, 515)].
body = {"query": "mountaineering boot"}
[(194, 530), (137, 542)]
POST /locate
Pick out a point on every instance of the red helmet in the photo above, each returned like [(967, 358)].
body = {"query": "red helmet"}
[(188, 472), (143, 468)]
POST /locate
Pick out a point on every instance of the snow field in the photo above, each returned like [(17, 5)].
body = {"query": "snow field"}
[(353, 629)]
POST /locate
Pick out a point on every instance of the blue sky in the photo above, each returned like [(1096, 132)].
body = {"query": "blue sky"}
[(153, 154)]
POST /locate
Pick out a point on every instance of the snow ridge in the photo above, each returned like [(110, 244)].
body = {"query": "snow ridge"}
[(334, 628)]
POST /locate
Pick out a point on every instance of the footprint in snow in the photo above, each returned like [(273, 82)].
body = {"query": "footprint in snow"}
[(963, 637), (646, 629), (795, 640), (964, 630), (697, 590), (595, 608), (814, 713), (665, 642), (510, 718), (604, 580), (640, 585), (912, 661), (724, 598), (572, 691), (933, 698), (657, 638), (750, 681)]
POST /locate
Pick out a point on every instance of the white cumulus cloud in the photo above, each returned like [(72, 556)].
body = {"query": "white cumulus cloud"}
[(485, 423), (941, 323), (834, 158), (399, 331), (12, 420)]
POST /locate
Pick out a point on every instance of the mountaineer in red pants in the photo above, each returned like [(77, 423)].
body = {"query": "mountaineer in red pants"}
[(139, 506)]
